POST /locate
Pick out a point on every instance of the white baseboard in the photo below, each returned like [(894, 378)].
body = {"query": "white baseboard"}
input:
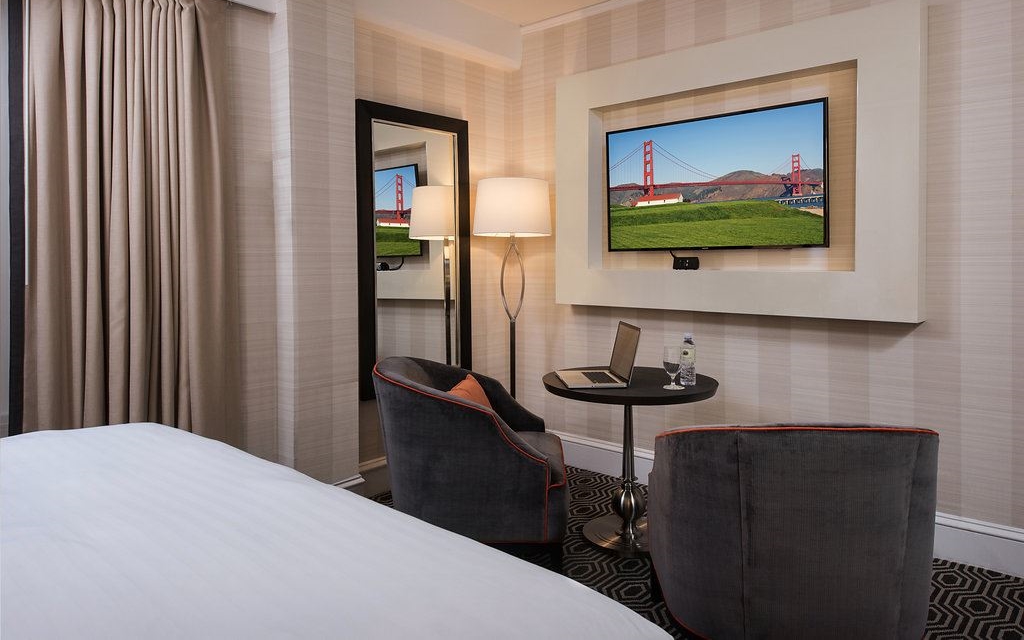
[(351, 481), (982, 544), (358, 479), (603, 456), (372, 464)]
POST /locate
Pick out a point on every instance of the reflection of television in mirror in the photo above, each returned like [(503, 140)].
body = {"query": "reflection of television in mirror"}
[(734, 181), (392, 203)]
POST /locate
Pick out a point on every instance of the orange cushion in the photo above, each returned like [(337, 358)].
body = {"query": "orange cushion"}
[(470, 389)]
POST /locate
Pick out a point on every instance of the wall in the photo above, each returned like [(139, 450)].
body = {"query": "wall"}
[(292, 139), (955, 373), (313, 129), (253, 191), (394, 71)]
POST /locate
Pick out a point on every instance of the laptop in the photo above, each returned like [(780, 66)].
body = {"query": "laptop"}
[(619, 370)]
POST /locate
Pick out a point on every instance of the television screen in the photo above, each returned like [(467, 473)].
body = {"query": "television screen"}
[(739, 180), (392, 201)]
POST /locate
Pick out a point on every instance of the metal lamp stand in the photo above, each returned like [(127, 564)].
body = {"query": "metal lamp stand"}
[(512, 315), (447, 302)]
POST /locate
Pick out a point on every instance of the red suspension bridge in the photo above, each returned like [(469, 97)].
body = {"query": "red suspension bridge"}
[(623, 176), (399, 216)]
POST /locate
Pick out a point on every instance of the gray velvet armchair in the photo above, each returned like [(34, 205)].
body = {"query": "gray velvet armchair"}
[(795, 531), (492, 475)]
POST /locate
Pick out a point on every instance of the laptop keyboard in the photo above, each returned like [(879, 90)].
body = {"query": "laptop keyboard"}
[(598, 377)]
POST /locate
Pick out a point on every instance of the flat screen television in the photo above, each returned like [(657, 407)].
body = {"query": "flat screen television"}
[(392, 204), (740, 180)]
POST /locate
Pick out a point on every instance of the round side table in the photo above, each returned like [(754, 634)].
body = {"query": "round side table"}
[(625, 531)]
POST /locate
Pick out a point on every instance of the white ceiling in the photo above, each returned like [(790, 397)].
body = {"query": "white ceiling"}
[(524, 12)]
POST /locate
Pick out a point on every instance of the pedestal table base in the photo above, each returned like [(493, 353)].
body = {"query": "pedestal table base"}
[(606, 532)]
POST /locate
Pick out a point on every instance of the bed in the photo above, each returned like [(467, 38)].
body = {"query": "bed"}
[(145, 531)]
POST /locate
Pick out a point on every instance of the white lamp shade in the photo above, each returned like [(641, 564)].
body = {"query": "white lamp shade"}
[(512, 206), (433, 213)]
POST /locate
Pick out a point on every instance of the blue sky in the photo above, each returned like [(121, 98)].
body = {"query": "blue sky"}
[(758, 141), (386, 200)]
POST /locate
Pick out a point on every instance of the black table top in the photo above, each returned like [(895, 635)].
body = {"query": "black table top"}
[(644, 389)]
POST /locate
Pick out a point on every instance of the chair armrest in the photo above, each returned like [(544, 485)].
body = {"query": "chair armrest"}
[(515, 415)]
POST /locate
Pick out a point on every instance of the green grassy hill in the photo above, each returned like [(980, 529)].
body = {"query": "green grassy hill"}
[(741, 223), (394, 241)]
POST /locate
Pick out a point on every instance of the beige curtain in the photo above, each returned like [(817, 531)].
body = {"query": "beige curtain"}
[(131, 306)]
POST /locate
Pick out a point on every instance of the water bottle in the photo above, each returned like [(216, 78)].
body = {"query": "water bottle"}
[(688, 361)]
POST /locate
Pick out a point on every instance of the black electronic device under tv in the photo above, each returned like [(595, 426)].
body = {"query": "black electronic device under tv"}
[(748, 179), (392, 206)]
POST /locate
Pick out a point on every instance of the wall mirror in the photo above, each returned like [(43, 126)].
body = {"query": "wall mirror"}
[(414, 294)]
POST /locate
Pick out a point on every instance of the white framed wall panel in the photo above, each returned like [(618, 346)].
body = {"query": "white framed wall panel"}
[(888, 44)]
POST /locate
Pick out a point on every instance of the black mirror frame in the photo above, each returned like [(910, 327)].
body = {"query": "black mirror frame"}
[(366, 113)]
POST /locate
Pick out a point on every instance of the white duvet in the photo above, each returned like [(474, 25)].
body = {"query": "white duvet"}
[(145, 531)]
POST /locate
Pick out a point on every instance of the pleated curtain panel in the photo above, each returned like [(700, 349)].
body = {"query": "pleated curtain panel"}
[(131, 300)]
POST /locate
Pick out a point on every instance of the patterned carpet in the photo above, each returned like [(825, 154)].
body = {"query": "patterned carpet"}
[(966, 602)]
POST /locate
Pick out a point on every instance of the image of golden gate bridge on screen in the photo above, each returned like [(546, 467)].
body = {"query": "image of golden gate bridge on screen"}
[(392, 209), (747, 179)]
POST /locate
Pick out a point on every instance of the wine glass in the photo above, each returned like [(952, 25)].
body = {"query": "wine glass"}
[(670, 360)]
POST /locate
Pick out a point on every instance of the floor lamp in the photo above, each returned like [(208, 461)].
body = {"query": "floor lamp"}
[(433, 218), (512, 208)]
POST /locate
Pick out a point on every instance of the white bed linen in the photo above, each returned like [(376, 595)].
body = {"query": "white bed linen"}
[(145, 531)]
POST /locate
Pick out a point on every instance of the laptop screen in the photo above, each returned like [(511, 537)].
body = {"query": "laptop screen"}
[(627, 337)]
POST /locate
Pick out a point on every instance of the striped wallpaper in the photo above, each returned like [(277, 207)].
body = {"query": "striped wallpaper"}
[(957, 373), (293, 141), (249, 102)]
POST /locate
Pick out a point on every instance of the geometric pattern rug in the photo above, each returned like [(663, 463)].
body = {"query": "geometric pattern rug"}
[(966, 601)]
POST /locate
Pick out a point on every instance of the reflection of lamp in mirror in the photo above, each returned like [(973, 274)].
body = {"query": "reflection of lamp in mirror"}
[(511, 208), (433, 218)]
